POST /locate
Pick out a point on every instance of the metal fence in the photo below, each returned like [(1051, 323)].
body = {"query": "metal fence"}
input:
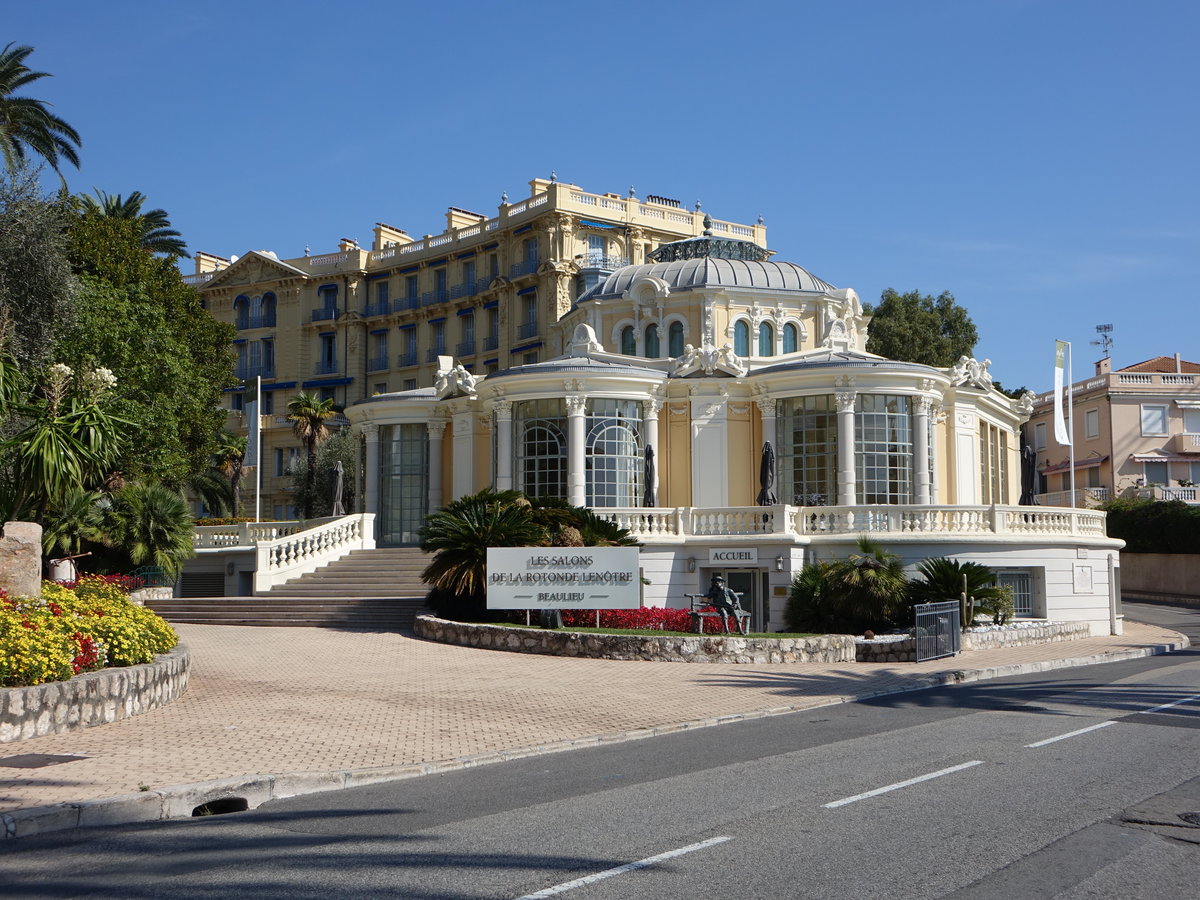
[(937, 629)]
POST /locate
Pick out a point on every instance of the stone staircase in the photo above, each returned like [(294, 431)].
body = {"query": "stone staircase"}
[(366, 589)]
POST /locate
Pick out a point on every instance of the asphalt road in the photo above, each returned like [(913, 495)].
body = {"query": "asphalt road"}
[(1067, 784)]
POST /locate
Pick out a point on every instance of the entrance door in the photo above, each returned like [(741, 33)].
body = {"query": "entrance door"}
[(745, 582)]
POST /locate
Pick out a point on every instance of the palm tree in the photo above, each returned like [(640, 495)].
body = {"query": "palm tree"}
[(866, 590), (970, 583), (157, 234), (231, 460), (27, 127), (151, 524), (309, 414), (74, 518)]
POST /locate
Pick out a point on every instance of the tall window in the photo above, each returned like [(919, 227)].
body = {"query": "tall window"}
[(766, 339), (1039, 436), (381, 296), (675, 339), (412, 291), (741, 338), (540, 454), (469, 276), (1155, 473), (403, 482), (439, 283), (437, 337), (884, 454), (1154, 420), (614, 453), (807, 433), (1091, 423), (993, 464), (652, 348), (597, 249), (328, 363), (628, 341), (791, 338)]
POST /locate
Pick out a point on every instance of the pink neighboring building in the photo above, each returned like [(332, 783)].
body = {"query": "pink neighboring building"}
[(1136, 432)]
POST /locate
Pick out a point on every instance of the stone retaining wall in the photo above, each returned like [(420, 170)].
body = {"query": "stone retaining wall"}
[(1022, 636), (93, 699), (708, 648)]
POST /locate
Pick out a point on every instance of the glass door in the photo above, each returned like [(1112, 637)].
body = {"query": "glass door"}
[(745, 582)]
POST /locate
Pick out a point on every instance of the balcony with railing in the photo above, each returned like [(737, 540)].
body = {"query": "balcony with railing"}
[(261, 321), (325, 313), (605, 263), (433, 298), (465, 348), (378, 363), (1187, 442), (326, 367), (491, 342), (525, 267), (845, 523), (1084, 498), (378, 308), (403, 304), (527, 330), (248, 372), (433, 353), (405, 360)]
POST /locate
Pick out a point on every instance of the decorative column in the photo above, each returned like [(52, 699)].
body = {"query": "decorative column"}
[(370, 433), (462, 453), (504, 472), (650, 410), (921, 449), (577, 450), (847, 495), (766, 408), (436, 429)]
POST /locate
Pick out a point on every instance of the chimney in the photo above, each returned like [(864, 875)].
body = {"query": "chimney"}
[(1178, 364), (1104, 366)]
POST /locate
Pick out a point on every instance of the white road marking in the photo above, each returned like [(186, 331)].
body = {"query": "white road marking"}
[(621, 870), (903, 784), (1169, 705), (1069, 734)]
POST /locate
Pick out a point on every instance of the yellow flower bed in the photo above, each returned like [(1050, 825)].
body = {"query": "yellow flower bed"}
[(69, 631)]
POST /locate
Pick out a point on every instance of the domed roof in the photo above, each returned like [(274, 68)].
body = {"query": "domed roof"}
[(709, 261)]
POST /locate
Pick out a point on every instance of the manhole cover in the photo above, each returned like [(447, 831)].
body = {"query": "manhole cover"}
[(36, 760), (1192, 818)]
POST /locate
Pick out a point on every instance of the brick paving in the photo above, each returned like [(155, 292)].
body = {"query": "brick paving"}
[(276, 700)]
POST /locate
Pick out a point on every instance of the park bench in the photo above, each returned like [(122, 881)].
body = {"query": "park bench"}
[(702, 608)]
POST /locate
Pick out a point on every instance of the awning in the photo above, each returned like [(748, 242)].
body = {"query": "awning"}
[(1090, 462), (1151, 457)]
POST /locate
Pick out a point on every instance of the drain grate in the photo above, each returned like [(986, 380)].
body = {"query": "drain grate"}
[(221, 806), (36, 760), (1192, 818)]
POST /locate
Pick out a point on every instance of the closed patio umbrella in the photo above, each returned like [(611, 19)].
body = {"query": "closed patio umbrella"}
[(338, 477), (650, 488), (766, 477)]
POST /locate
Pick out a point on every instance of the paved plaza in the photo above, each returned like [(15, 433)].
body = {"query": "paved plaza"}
[(266, 701)]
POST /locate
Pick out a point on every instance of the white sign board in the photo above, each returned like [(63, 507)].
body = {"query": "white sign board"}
[(733, 557), (563, 578)]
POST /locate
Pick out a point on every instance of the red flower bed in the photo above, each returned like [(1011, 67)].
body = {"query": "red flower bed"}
[(647, 617)]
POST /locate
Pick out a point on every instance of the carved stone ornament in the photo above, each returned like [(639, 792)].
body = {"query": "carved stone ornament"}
[(922, 405), (970, 373), (845, 401), (583, 341), (369, 430), (576, 405), (436, 427), (650, 408), (503, 410), (709, 360), (1024, 403), (767, 405), (452, 380)]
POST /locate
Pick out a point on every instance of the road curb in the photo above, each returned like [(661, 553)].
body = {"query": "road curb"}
[(179, 801)]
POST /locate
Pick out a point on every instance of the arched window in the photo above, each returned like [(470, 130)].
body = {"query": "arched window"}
[(741, 338), (652, 348), (628, 342), (766, 339), (614, 453), (790, 338), (540, 435), (241, 306), (675, 339)]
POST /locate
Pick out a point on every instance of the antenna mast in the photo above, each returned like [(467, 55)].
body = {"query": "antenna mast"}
[(1103, 341)]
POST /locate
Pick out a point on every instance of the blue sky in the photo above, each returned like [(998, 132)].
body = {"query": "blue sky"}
[(1037, 158)]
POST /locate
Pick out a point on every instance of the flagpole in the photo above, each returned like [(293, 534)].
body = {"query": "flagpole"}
[(1071, 418), (258, 450)]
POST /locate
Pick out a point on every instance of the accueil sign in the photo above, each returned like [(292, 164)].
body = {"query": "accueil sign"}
[(552, 578), (733, 556)]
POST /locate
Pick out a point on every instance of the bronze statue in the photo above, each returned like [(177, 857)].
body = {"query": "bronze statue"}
[(727, 603)]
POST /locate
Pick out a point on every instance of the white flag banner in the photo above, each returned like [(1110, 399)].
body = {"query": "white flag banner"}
[(1061, 434), (252, 436)]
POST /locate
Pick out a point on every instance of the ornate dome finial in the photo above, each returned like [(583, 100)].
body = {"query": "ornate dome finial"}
[(707, 225)]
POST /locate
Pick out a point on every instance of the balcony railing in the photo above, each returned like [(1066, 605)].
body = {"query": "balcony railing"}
[(379, 308), (527, 330), (326, 368), (525, 267), (491, 342), (406, 359), (608, 263), (246, 322), (1186, 443), (432, 354), (401, 304), (466, 348), (666, 525), (245, 373), (1085, 498), (377, 364), (432, 298), (325, 313)]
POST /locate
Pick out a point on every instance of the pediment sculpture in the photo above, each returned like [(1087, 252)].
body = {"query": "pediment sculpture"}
[(453, 380), (970, 372), (709, 360)]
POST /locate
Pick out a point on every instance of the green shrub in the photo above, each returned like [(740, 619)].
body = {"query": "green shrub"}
[(1154, 526)]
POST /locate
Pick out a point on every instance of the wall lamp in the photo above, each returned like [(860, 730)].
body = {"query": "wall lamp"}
[(779, 564), (691, 564)]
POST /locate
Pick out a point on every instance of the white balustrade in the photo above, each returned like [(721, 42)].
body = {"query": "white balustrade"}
[(305, 551), (440, 239), (328, 259), (1135, 378), (1178, 379), (518, 208), (539, 200), (241, 534)]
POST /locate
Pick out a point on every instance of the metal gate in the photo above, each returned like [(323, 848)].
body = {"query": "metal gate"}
[(937, 630)]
